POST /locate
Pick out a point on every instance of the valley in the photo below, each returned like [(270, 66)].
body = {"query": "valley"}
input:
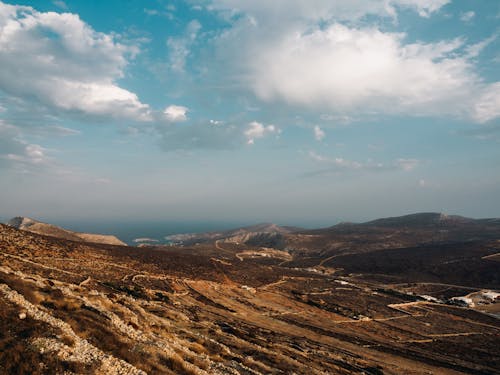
[(226, 307)]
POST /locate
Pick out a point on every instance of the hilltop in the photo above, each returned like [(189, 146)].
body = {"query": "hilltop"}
[(34, 226)]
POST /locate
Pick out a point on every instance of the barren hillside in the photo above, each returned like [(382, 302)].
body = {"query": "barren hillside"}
[(70, 307), (35, 226)]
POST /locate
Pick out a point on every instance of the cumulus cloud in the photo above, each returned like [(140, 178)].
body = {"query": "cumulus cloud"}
[(175, 113), (348, 69), (319, 134), (63, 63), (257, 130), (320, 58)]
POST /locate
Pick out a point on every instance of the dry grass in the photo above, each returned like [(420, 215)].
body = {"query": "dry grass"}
[(217, 324), (18, 355), (176, 364), (26, 288), (197, 348)]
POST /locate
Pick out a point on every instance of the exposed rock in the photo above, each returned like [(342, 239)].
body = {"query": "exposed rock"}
[(226, 308)]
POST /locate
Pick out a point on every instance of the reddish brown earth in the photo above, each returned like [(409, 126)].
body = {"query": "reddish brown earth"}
[(222, 308)]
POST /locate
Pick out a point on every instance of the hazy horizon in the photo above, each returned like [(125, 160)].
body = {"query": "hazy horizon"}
[(131, 229)]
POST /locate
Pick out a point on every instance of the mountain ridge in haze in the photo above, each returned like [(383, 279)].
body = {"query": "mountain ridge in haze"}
[(438, 226), (415, 219)]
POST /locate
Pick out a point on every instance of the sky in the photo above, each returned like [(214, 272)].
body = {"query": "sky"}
[(299, 112)]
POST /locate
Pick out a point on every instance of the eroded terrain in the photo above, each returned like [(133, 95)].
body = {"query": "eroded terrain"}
[(225, 308)]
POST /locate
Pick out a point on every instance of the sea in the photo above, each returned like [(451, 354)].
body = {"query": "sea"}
[(154, 230)]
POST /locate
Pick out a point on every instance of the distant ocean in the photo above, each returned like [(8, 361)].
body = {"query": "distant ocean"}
[(128, 231)]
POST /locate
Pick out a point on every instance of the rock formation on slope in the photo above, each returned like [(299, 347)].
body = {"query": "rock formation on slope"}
[(34, 226)]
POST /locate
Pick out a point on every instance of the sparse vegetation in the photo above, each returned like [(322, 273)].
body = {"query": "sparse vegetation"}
[(17, 353), (177, 311)]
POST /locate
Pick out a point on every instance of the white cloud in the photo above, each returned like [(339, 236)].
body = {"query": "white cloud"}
[(474, 50), (467, 16), (326, 9), (61, 4), (64, 64), (319, 134), (35, 153), (314, 54), (339, 163), (17, 153), (257, 130), (487, 106), (350, 70), (424, 7), (175, 113), (211, 135), (151, 12), (179, 48)]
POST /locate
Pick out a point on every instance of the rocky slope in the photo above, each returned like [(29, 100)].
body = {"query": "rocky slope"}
[(226, 308), (34, 226), (389, 233), (394, 232), (267, 235)]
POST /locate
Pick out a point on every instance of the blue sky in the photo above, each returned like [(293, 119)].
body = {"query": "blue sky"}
[(300, 112)]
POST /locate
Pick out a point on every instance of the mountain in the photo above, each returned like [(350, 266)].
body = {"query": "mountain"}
[(347, 238), (394, 232), (228, 308), (265, 235), (420, 220), (34, 226)]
